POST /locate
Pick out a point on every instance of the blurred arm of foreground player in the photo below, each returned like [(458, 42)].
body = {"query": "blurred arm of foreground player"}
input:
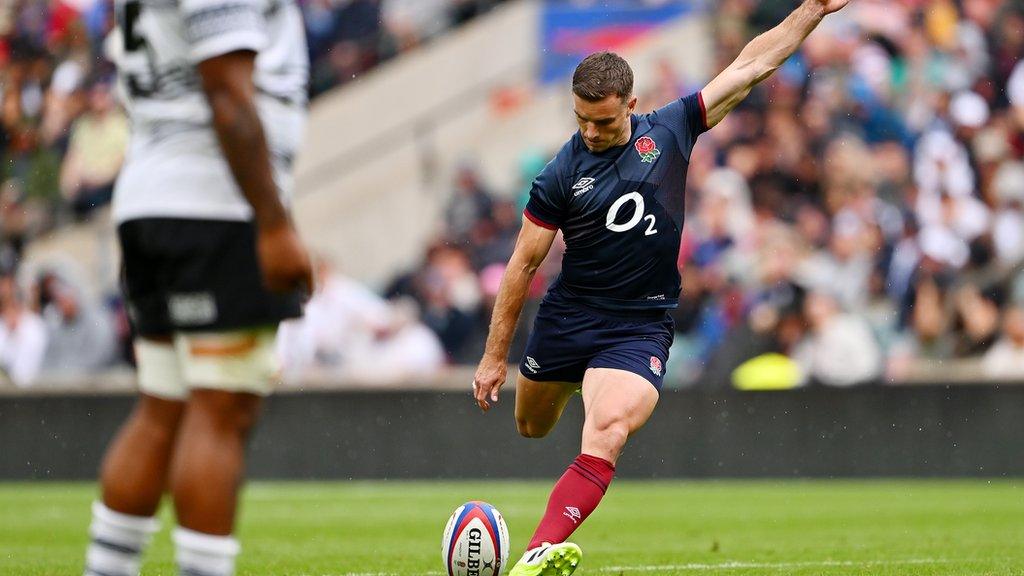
[(762, 56), (227, 82), (532, 247)]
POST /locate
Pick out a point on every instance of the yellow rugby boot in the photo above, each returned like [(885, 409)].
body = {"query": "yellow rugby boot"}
[(549, 560)]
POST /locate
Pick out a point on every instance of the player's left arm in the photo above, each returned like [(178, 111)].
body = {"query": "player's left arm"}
[(762, 56)]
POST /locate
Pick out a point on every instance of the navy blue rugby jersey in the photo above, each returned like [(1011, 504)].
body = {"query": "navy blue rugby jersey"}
[(621, 210)]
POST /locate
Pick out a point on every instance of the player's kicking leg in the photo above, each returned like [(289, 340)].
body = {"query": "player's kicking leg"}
[(135, 469), (617, 403)]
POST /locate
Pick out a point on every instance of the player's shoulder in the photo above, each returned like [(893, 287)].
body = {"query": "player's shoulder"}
[(564, 159)]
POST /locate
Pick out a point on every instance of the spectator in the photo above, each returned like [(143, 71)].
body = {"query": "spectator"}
[(99, 139), (470, 204), (340, 316), (1005, 359), (22, 336), (347, 330), (840, 349), (403, 349), (80, 332)]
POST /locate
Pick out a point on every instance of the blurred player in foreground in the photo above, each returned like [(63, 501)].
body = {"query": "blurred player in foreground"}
[(616, 191), (211, 263)]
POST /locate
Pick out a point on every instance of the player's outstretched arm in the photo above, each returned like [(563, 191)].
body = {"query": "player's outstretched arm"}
[(227, 82), (532, 247), (762, 56)]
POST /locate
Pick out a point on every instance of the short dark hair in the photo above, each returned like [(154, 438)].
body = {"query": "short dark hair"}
[(602, 74)]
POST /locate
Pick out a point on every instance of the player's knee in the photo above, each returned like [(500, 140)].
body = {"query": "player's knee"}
[(611, 433), (531, 428), (226, 412)]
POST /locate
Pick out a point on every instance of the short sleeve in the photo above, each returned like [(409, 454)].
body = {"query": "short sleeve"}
[(546, 207), (217, 27), (686, 118)]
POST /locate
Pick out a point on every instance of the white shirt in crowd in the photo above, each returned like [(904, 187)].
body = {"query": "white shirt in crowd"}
[(844, 352), (348, 330), (22, 346)]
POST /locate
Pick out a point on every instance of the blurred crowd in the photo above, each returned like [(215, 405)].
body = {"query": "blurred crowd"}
[(348, 37), (50, 327), (860, 215), (62, 133)]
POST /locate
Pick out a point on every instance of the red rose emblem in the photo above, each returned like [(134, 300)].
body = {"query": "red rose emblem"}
[(656, 365), (645, 145)]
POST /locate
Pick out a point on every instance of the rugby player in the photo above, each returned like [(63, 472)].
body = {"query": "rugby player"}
[(216, 91), (615, 189)]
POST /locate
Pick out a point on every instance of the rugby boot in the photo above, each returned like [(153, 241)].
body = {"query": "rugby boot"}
[(549, 560)]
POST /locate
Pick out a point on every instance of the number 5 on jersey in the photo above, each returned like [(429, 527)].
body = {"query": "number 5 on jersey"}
[(638, 214)]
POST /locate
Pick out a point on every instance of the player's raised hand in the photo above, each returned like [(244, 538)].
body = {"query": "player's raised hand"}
[(488, 380), (283, 259)]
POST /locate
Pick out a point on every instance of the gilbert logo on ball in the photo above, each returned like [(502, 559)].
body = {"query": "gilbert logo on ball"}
[(648, 149), (475, 541)]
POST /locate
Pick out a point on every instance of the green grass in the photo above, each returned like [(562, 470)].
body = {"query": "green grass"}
[(875, 528)]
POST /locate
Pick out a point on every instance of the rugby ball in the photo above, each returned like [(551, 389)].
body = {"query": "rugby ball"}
[(475, 541)]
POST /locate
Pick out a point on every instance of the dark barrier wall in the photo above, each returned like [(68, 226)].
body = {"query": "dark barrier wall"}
[(926, 431)]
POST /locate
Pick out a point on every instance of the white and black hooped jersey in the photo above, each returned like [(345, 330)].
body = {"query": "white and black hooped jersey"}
[(174, 166)]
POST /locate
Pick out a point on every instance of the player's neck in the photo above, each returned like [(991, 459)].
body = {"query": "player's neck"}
[(626, 134)]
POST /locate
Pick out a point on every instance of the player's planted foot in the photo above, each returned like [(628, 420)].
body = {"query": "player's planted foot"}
[(549, 560)]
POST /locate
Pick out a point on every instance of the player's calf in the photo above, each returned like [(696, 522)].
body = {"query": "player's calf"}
[(134, 472), (135, 468)]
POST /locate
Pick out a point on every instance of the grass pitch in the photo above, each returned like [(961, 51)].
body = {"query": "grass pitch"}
[(801, 528)]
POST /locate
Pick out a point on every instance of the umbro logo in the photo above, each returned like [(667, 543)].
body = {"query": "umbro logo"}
[(583, 186), (572, 513), (532, 365)]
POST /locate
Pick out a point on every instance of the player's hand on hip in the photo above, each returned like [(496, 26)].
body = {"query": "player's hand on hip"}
[(489, 378), (283, 260)]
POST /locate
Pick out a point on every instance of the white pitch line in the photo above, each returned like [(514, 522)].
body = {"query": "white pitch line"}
[(696, 567), (761, 565), (384, 574)]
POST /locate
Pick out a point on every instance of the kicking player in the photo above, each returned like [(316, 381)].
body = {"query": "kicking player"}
[(616, 191), (211, 263)]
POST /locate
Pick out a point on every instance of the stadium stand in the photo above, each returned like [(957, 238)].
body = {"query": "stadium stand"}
[(866, 203)]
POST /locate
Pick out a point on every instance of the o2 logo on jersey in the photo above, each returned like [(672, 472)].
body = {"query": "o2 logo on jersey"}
[(637, 200)]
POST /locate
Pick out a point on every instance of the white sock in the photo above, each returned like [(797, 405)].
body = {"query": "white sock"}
[(201, 554), (118, 541)]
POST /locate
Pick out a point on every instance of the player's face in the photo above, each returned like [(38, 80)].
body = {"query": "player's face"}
[(604, 123)]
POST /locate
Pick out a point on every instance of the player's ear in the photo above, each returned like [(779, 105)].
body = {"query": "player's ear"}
[(631, 104)]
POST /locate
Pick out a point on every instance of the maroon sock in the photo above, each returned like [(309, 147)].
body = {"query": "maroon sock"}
[(574, 497)]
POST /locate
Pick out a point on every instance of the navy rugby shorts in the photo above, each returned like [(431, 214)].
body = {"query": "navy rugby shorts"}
[(569, 337)]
